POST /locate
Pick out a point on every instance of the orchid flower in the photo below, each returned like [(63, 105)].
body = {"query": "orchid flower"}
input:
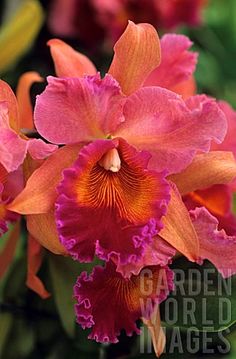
[(10, 186), (16, 114), (130, 152), (14, 145)]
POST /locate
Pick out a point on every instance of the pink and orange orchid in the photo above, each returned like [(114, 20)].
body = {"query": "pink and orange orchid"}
[(132, 148)]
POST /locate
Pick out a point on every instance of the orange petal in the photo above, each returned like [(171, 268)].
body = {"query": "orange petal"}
[(30, 165), (7, 254), (43, 228), (178, 228), (216, 167), (217, 199), (39, 193), (186, 88), (137, 53), (68, 62), (23, 96), (34, 258), (6, 94), (156, 331)]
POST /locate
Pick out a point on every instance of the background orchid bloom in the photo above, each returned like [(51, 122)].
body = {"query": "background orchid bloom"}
[(98, 20), (218, 199), (14, 144), (10, 186), (16, 114), (79, 110)]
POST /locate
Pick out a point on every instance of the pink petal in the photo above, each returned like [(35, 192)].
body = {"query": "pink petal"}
[(78, 109), (62, 16), (215, 245), (158, 252), (68, 62), (105, 213), (229, 143), (120, 304), (158, 120), (8, 96), (38, 149), (12, 147), (177, 62)]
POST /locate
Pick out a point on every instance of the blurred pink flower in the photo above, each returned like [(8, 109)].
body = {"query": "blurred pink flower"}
[(94, 21)]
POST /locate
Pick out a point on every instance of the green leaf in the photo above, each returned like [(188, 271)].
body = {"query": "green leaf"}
[(64, 272), (14, 287), (202, 299), (6, 321)]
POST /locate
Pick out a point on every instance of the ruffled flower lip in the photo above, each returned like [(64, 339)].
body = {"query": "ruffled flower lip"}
[(108, 303), (110, 214)]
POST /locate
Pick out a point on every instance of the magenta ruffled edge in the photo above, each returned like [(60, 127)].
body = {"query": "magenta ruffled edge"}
[(83, 308), (66, 199)]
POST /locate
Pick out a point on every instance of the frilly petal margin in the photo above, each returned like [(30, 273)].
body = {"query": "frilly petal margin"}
[(110, 214), (158, 252), (215, 245), (107, 303), (72, 110), (173, 131)]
